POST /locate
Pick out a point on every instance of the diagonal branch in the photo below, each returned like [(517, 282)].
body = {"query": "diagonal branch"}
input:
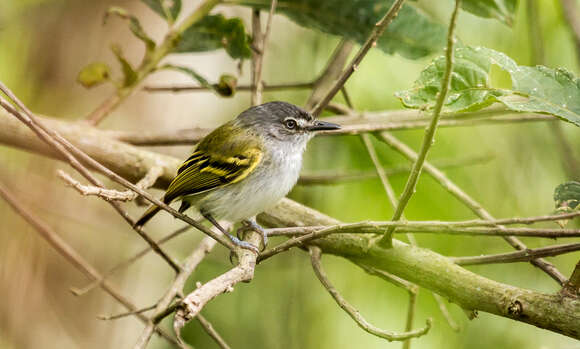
[(429, 132), (518, 256), (468, 201), (63, 147), (377, 31), (72, 256)]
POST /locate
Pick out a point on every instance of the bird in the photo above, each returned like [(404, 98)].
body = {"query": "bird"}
[(244, 167)]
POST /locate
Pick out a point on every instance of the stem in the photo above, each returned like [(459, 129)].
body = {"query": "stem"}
[(150, 62), (430, 132)]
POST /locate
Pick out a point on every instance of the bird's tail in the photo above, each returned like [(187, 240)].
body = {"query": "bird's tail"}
[(151, 211)]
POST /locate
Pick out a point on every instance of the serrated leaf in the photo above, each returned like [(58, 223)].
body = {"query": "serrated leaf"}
[(171, 10), (412, 34), (134, 25), (129, 74), (502, 10), (534, 89), (215, 32), (94, 74)]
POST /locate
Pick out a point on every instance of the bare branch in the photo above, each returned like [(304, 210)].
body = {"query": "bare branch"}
[(194, 302), (240, 88), (72, 256), (66, 150), (207, 326), (176, 288), (353, 65), (111, 194), (81, 291), (315, 254), (150, 62), (330, 73), (468, 201), (125, 314), (260, 43), (331, 178), (430, 131), (518, 256)]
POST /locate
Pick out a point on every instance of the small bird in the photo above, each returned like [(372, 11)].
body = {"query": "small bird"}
[(244, 166)]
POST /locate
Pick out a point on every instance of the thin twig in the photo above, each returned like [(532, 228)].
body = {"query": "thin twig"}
[(72, 256), (468, 201), (390, 120), (331, 178), (261, 42), (430, 131), (330, 73), (353, 65), (111, 194), (150, 62), (245, 88), (207, 326), (518, 256), (83, 290), (572, 286), (353, 312), (176, 288), (67, 150), (127, 313)]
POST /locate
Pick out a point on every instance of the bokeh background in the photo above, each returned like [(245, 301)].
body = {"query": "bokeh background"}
[(44, 43)]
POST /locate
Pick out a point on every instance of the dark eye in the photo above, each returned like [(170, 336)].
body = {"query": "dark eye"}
[(290, 124)]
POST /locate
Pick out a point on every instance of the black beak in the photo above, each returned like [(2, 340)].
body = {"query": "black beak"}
[(322, 126)]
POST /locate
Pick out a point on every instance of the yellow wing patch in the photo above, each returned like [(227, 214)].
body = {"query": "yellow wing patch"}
[(202, 172)]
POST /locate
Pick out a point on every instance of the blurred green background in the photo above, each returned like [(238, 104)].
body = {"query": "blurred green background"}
[(44, 43)]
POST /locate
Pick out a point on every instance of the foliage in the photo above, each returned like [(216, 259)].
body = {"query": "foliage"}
[(534, 89)]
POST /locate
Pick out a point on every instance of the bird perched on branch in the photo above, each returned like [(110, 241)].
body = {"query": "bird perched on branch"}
[(244, 166)]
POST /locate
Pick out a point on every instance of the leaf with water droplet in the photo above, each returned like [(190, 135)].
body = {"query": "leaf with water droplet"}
[(534, 89)]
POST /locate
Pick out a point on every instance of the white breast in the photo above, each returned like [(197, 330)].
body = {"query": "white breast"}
[(272, 179)]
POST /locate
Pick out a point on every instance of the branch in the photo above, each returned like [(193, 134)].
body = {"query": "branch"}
[(206, 325), (437, 273), (81, 291), (330, 73), (72, 256), (194, 302), (330, 178), (423, 267), (353, 65), (150, 62), (245, 88), (389, 120), (468, 201), (518, 256), (429, 132), (110, 194), (353, 312), (572, 286), (176, 288), (66, 150), (71, 152), (259, 43)]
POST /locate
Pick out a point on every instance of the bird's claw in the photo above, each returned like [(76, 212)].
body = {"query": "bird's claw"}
[(250, 225)]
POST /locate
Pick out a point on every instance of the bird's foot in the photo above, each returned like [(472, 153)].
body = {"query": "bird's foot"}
[(243, 244), (252, 225)]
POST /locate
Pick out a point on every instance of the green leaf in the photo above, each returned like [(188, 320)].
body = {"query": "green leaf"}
[(534, 89), (94, 74), (502, 10), (134, 25), (567, 195), (129, 74), (171, 10), (226, 87), (412, 34), (215, 32)]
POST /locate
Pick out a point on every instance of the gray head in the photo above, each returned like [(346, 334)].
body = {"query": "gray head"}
[(283, 122)]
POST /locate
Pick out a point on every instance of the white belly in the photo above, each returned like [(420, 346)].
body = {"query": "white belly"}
[(272, 180)]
